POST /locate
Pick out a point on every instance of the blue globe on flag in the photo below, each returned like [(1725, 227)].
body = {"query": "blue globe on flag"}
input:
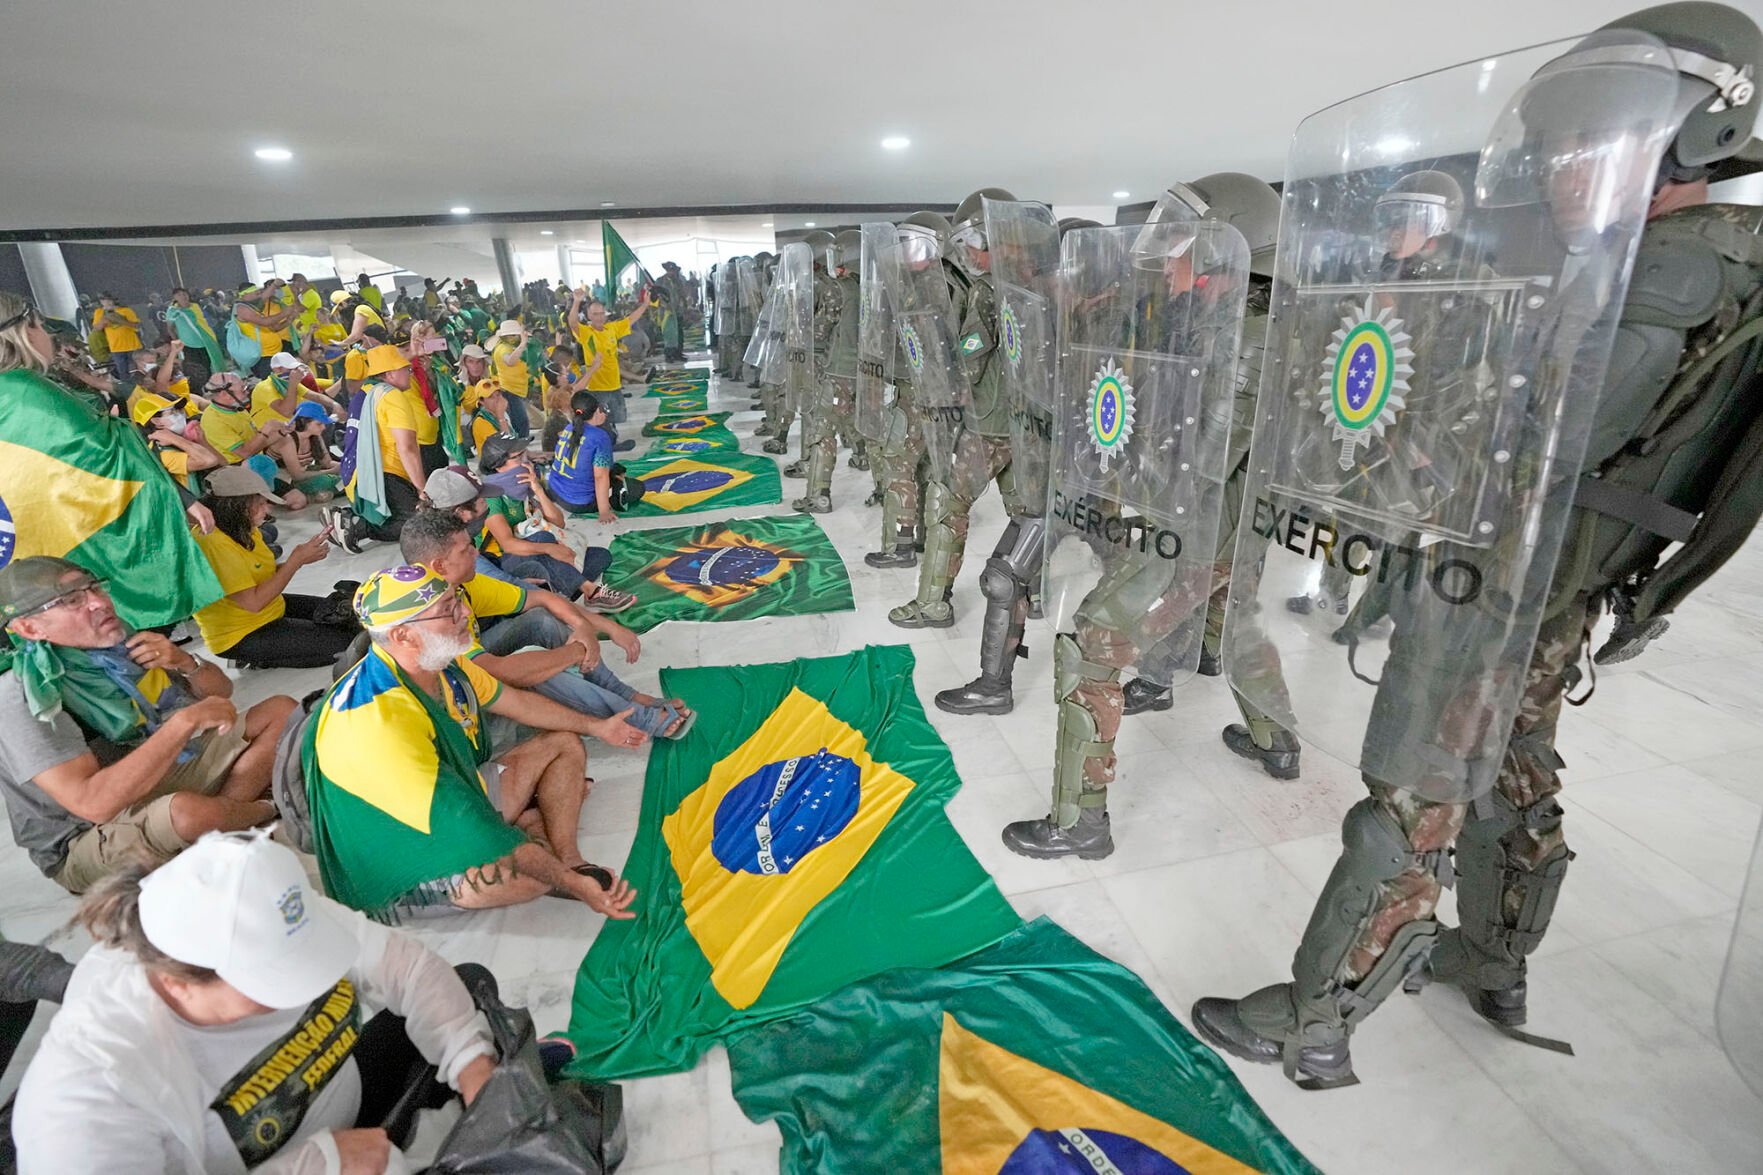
[(692, 481), (772, 819), (1055, 1152), (8, 534), (722, 566)]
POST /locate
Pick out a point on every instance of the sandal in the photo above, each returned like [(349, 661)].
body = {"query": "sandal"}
[(688, 719), (599, 873)]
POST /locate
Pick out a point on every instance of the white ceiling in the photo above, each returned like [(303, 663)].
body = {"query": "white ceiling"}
[(131, 115)]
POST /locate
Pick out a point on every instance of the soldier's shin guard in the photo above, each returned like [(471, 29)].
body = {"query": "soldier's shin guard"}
[(1504, 907), (823, 454), (1079, 742), (942, 547), (1321, 1006), (1000, 644)]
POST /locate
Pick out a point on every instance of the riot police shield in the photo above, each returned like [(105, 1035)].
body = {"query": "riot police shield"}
[(727, 300), (875, 331), (795, 286), (1023, 240), (765, 352), (1738, 1013), (749, 295), (1141, 417), (1434, 355), (924, 321)]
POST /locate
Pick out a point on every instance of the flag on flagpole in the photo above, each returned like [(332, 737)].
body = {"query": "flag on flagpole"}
[(794, 844), (620, 257), (1032, 1055), (730, 571)]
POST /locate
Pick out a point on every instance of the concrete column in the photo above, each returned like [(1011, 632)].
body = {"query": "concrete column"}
[(508, 269), (51, 284), (563, 266), (253, 266)]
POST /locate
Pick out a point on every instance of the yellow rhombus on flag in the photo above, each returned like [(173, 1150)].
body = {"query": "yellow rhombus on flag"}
[(779, 824)]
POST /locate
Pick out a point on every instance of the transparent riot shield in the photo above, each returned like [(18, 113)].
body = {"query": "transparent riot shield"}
[(875, 331), (749, 294), (727, 300), (1023, 242), (1148, 339), (795, 286), (1431, 370), (924, 321), (1738, 1014), (765, 351)]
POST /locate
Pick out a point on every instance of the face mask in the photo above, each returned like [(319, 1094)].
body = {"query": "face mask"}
[(170, 423), (507, 484)]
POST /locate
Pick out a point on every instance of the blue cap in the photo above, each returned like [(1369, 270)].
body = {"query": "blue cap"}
[(311, 411)]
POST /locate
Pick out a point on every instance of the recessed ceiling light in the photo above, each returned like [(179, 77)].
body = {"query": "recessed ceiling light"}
[(608, 204), (274, 154), (1121, 195), (896, 143), (459, 210), (807, 224), (579, 241), (767, 224), (545, 232)]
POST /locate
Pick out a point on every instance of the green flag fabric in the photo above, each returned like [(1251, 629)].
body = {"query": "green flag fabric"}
[(715, 439), (1032, 1055), (84, 486), (783, 566), (686, 484), (674, 382), (794, 844), (684, 426), (683, 403), (620, 258)]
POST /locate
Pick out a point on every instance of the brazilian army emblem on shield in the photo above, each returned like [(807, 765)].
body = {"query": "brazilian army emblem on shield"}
[(1010, 334), (1110, 414), (1364, 377), (912, 345)]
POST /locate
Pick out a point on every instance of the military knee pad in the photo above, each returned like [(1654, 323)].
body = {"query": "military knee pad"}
[(998, 582)]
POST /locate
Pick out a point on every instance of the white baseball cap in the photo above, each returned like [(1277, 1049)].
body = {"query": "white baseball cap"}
[(241, 905), (283, 361)]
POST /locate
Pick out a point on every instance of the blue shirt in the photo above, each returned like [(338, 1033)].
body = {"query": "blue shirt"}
[(572, 469)]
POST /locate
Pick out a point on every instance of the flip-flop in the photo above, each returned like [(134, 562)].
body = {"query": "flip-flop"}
[(600, 874), (685, 727)]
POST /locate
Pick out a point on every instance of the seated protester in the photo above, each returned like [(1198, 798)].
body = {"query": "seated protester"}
[(258, 623), (489, 415), (162, 375), (277, 397), (176, 439), (208, 974), (519, 528), (382, 460), (355, 360), (314, 431), (411, 806), (536, 640), (582, 477), (112, 741), (270, 450), (509, 365)]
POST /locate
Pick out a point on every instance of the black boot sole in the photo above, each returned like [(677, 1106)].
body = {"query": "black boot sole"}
[(996, 706)]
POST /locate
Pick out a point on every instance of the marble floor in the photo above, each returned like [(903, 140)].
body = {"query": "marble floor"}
[(1214, 875)]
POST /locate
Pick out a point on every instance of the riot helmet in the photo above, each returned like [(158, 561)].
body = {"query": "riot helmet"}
[(847, 248), (1239, 200), (1418, 208), (821, 242), (967, 235), (922, 236)]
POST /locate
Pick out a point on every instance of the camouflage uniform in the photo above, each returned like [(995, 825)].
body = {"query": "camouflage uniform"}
[(982, 455), (835, 347)]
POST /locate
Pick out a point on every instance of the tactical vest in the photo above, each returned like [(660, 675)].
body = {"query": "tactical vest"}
[(1676, 452)]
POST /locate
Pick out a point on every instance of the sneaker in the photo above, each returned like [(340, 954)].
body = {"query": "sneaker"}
[(606, 600)]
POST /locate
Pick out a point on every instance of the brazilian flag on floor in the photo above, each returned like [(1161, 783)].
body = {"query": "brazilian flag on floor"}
[(686, 484), (685, 425), (795, 843), (710, 440), (84, 486), (683, 403), (1034, 1055), (672, 381), (782, 566)]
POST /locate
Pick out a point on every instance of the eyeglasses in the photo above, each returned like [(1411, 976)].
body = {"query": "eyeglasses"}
[(79, 596)]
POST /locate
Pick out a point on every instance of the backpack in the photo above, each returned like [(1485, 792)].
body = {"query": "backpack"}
[(241, 348)]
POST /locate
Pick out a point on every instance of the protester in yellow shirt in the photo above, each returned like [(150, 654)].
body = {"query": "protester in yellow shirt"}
[(507, 360), (388, 491), (599, 342), (261, 316), (122, 334), (175, 438), (270, 450), (278, 396), (299, 292), (370, 293)]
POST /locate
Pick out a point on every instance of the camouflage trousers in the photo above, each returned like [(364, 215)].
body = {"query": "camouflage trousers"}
[(1527, 780), (948, 509), (823, 423), (900, 469)]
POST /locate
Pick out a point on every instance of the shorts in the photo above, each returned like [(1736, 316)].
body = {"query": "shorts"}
[(435, 897), (147, 825)]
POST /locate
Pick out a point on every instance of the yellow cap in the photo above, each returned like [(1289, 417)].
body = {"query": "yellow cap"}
[(384, 358), (149, 406), (338, 297)]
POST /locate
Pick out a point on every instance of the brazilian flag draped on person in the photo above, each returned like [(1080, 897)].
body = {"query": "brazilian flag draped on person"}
[(729, 571), (84, 486), (794, 844), (685, 484), (620, 259), (1033, 1055)]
